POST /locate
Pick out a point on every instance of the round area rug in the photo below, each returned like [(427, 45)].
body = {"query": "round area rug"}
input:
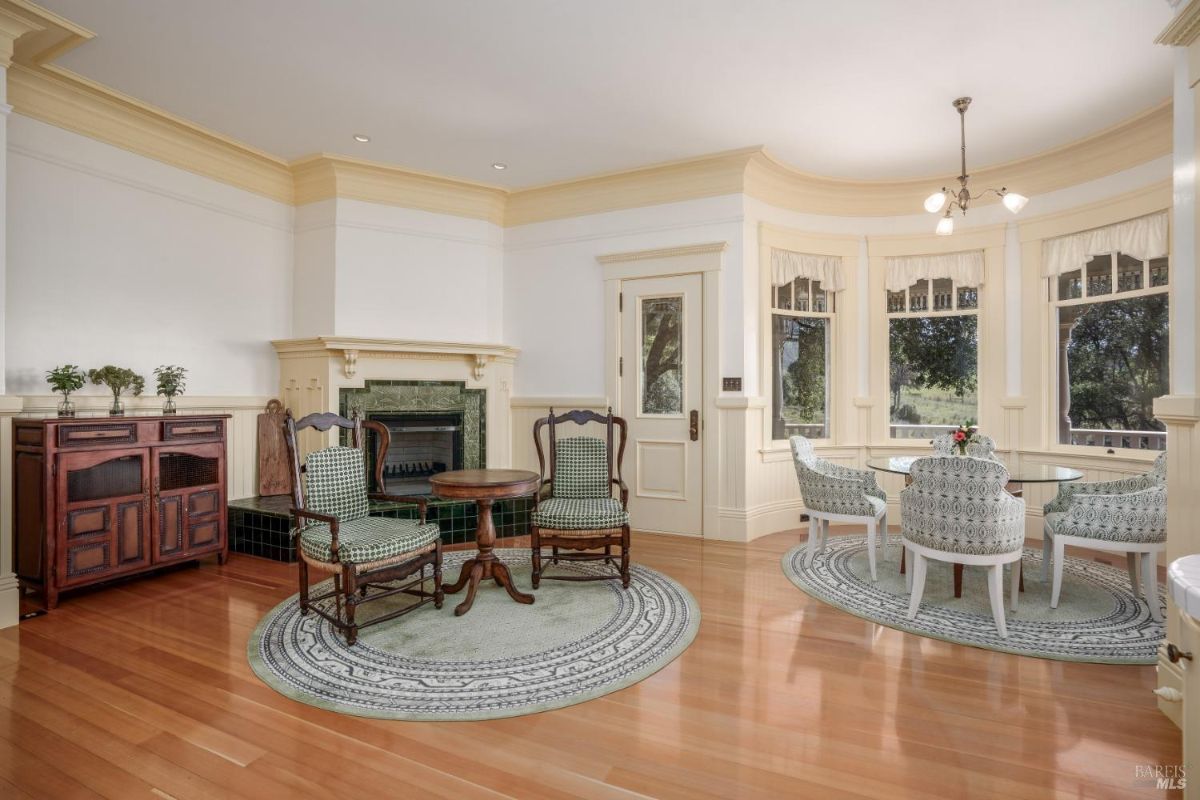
[(578, 641), (1098, 618)]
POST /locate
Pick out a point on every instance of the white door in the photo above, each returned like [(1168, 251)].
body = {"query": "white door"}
[(661, 390)]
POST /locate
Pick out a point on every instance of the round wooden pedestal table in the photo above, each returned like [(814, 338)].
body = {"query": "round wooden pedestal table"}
[(484, 486)]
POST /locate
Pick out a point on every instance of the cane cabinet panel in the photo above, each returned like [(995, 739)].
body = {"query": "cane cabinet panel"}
[(103, 498)]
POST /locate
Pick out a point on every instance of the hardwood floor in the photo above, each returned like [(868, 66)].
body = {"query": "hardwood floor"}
[(143, 690)]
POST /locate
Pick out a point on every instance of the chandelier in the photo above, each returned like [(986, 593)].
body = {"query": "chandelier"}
[(948, 201)]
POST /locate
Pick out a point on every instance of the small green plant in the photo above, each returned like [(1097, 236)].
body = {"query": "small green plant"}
[(66, 379), (118, 380), (172, 380)]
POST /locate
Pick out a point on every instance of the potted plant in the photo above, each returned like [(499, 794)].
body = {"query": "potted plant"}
[(172, 380), (64, 380), (118, 379), (965, 435)]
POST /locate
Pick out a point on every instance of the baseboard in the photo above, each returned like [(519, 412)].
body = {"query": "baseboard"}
[(748, 524), (10, 601), (1170, 676)]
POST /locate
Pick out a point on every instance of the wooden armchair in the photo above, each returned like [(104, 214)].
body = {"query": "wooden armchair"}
[(574, 508), (364, 554)]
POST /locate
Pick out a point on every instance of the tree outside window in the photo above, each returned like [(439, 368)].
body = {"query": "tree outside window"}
[(802, 314)]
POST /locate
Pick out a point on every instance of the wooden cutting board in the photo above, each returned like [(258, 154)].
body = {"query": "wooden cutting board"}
[(274, 471)]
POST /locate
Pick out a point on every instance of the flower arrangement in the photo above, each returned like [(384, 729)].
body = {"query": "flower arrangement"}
[(117, 379), (172, 380), (966, 434), (64, 380)]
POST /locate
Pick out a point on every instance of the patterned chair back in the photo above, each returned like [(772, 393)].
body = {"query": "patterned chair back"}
[(1159, 471), (943, 445), (581, 468), (802, 450), (960, 502), (335, 482)]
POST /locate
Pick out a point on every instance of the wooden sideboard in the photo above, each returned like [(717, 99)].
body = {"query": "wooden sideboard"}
[(97, 498)]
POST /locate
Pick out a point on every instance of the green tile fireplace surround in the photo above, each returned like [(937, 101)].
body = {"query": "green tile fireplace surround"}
[(260, 526)]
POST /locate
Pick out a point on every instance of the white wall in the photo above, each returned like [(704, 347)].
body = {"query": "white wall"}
[(553, 287), (407, 274), (115, 258)]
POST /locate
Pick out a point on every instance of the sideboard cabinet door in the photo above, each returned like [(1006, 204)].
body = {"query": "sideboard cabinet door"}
[(102, 507), (189, 498)]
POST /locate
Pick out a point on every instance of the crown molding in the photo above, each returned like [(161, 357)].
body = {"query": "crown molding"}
[(670, 182), (15, 23), (1127, 144), (1184, 28), (323, 176)]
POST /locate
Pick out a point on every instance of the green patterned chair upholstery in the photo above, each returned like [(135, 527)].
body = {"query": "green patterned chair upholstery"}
[(575, 509), (1127, 515), (337, 537)]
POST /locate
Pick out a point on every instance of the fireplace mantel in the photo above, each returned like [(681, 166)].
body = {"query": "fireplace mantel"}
[(350, 349), (312, 373)]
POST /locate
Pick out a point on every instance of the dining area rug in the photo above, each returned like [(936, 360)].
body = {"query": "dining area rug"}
[(578, 641), (1098, 619)]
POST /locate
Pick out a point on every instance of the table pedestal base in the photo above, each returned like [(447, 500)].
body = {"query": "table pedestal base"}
[(478, 569), (484, 565)]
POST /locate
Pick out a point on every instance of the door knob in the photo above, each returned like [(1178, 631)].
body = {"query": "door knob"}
[(1174, 654), (694, 427)]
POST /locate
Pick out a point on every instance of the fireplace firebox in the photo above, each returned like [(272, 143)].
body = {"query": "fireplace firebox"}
[(423, 444)]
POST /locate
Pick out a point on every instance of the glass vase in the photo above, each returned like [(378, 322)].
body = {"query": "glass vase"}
[(118, 408), (169, 406), (66, 408)]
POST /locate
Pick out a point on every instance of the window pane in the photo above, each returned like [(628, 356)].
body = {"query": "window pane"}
[(1113, 362), (1158, 272), (783, 297), (1129, 273), (800, 296), (895, 302), (918, 296), (1070, 285), (822, 300), (943, 294), (968, 297), (1099, 276), (933, 374), (662, 365), (799, 370)]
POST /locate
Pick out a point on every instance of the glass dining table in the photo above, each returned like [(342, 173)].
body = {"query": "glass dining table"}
[(1017, 477)]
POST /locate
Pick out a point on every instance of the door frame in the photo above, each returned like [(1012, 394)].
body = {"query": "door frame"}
[(705, 259)]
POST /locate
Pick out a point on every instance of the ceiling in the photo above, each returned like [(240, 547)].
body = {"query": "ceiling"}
[(559, 89)]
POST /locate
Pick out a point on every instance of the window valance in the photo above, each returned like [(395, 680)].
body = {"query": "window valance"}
[(1143, 238), (965, 269), (787, 265)]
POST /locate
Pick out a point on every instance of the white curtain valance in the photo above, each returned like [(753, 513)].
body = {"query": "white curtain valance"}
[(1143, 238), (787, 265), (965, 269)]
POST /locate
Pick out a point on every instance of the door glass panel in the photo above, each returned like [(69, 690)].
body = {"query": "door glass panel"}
[(662, 355), (119, 477), (180, 470)]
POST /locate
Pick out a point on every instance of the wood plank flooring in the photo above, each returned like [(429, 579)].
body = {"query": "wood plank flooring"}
[(143, 690)]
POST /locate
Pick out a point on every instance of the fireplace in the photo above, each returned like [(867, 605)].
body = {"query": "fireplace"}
[(423, 444)]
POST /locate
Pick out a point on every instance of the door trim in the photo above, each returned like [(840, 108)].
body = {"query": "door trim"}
[(705, 259)]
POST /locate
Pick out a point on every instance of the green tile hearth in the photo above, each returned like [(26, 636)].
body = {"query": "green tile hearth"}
[(260, 526)]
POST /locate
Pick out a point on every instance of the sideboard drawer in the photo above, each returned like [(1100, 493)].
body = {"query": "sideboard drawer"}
[(99, 434), (186, 430)]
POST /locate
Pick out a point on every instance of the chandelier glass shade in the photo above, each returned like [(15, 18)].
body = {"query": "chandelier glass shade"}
[(944, 202)]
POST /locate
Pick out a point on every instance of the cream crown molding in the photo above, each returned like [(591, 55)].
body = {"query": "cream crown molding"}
[(41, 90), (1184, 28)]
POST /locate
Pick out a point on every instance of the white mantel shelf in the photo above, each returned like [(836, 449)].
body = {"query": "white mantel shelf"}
[(351, 349)]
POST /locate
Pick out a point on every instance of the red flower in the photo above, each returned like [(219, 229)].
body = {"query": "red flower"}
[(959, 436)]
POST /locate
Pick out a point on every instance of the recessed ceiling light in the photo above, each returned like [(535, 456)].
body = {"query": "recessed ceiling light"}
[(362, 137), (498, 165)]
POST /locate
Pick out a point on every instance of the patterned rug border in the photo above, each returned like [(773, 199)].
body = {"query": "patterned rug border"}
[(668, 656), (917, 630)]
